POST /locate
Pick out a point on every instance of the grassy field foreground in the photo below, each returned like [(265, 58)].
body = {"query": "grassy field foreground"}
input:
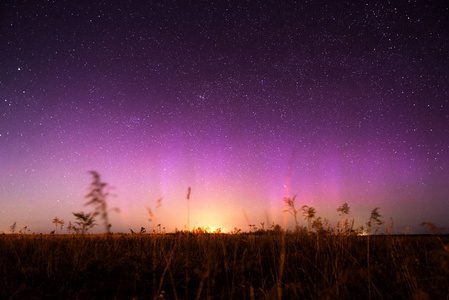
[(223, 266)]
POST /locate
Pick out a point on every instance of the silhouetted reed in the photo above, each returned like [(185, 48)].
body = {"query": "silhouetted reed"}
[(98, 197)]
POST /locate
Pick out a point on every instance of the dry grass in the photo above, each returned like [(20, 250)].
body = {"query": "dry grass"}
[(222, 266)]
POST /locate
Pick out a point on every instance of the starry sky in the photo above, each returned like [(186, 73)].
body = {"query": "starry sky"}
[(246, 102)]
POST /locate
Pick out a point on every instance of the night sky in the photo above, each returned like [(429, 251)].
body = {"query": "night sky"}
[(246, 102)]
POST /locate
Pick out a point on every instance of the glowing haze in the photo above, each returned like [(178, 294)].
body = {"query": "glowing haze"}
[(225, 98)]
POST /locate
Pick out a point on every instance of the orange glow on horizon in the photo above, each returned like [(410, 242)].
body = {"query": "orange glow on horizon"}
[(210, 220)]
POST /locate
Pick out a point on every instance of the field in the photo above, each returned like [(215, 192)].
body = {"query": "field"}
[(264, 265)]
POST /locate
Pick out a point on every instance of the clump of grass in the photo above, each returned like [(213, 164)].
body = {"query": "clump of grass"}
[(432, 228), (227, 266), (85, 221)]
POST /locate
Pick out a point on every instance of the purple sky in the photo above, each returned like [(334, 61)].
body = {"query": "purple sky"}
[(158, 96)]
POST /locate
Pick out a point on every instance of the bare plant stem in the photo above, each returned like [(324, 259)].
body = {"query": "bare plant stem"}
[(167, 268), (188, 234), (369, 266), (154, 264), (281, 265), (188, 208)]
